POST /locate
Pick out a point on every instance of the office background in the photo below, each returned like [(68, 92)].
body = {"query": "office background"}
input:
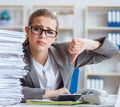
[(80, 5), (80, 28)]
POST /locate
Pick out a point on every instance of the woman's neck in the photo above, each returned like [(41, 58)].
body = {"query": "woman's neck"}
[(40, 57)]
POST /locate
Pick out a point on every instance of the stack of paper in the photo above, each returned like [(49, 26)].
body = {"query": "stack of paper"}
[(11, 67)]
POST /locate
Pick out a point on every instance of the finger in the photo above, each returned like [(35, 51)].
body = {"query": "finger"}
[(71, 45), (73, 51), (74, 42), (66, 91), (75, 46), (73, 58)]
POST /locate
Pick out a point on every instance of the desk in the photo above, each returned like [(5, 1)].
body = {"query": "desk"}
[(82, 105)]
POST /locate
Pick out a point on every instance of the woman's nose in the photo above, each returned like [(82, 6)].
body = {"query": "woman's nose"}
[(43, 34)]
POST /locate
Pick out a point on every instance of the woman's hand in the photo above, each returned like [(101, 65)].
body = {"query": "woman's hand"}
[(55, 93), (78, 45)]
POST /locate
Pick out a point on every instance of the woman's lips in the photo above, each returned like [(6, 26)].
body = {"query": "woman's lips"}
[(41, 43)]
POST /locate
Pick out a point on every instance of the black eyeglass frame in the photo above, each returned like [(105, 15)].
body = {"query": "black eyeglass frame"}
[(30, 27)]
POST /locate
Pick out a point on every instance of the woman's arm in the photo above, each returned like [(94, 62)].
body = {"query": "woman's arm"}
[(55, 93), (32, 93), (77, 46), (91, 50), (38, 93)]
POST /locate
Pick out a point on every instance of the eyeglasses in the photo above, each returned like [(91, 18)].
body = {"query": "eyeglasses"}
[(38, 31)]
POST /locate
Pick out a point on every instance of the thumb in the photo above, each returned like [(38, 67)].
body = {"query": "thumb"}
[(73, 58)]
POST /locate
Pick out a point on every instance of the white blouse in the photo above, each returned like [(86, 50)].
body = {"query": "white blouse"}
[(48, 75)]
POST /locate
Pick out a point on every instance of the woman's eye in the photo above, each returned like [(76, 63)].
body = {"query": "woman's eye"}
[(50, 32), (37, 29)]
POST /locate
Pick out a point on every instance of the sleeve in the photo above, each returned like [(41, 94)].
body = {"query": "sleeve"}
[(29, 90), (32, 93)]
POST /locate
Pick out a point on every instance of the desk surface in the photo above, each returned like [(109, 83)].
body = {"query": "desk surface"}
[(82, 105)]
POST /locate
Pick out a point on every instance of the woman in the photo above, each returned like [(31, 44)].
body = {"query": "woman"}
[(51, 64)]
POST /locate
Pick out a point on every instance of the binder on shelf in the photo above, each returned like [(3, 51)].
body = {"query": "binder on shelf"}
[(109, 36), (118, 40), (109, 18), (114, 37), (95, 83), (118, 18), (113, 18)]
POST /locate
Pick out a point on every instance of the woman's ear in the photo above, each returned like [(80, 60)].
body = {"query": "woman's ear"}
[(26, 29)]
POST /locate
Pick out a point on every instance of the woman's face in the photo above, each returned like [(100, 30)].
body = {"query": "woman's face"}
[(41, 41)]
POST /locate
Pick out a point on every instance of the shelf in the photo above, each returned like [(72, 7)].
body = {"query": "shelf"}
[(96, 20), (105, 74), (102, 7), (11, 27), (104, 28), (66, 28), (59, 9), (17, 17), (96, 26)]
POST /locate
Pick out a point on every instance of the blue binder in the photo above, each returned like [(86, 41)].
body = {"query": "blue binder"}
[(74, 81)]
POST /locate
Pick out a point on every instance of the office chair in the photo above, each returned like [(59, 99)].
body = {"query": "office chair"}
[(74, 81)]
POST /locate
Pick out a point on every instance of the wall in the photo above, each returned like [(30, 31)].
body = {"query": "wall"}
[(79, 8)]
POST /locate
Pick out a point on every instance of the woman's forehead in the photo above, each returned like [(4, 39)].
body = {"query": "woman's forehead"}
[(45, 21)]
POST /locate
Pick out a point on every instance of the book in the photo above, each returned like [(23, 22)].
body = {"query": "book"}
[(50, 102)]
